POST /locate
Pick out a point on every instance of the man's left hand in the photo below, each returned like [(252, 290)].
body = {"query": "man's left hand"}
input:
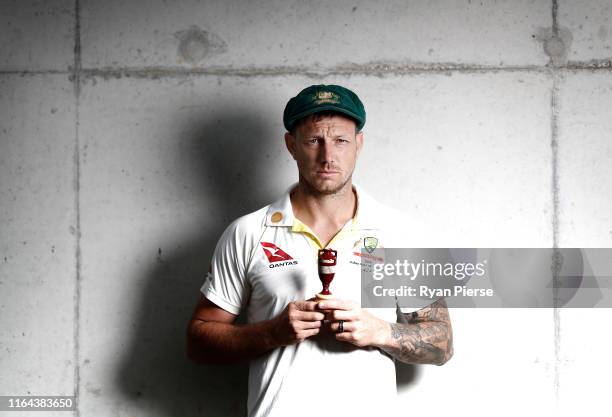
[(360, 327)]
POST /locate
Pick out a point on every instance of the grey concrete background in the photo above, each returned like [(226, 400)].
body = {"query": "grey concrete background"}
[(132, 132)]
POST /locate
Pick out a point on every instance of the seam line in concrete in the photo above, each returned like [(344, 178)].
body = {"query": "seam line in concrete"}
[(76, 79), (555, 229), (374, 69), (33, 72), (554, 144), (555, 22)]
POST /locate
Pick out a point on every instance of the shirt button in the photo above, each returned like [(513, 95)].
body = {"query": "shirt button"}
[(276, 217)]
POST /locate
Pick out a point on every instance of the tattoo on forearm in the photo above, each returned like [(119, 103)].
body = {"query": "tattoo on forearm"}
[(424, 336)]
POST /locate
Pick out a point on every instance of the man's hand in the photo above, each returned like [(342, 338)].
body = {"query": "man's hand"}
[(298, 321), (425, 337), (213, 336), (359, 326)]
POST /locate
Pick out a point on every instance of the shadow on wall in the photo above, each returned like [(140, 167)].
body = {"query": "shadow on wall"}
[(229, 157), (155, 375)]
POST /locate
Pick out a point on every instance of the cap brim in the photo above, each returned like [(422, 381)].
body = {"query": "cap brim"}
[(308, 112)]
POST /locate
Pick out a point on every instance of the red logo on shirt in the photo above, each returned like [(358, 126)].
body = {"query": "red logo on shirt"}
[(274, 253)]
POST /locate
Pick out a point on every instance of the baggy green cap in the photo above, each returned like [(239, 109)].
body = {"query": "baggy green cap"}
[(318, 98)]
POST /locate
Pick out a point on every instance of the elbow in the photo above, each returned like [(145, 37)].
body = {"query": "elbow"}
[(449, 351), (194, 351), (194, 356), (448, 354)]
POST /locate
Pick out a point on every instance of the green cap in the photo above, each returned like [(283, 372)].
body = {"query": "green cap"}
[(318, 98)]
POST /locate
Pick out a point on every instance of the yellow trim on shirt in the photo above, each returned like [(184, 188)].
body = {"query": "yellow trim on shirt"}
[(300, 227)]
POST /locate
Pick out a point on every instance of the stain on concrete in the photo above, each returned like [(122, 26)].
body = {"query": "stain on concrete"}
[(602, 33), (556, 45), (196, 44)]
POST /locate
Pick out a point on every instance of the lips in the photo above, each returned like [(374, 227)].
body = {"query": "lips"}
[(326, 175)]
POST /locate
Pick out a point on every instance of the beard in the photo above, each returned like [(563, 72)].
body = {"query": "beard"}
[(324, 188)]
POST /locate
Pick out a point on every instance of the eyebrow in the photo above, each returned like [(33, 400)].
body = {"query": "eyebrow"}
[(315, 135)]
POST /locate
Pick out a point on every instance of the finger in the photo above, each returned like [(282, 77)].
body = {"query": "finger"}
[(347, 326), (303, 325), (336, 304), (309, 333), (345, 337), (342, 315), (309, 315), (306, 305)]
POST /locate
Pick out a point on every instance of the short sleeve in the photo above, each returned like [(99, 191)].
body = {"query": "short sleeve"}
[(226, 282)]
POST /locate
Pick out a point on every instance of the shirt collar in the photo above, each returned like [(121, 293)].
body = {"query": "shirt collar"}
[(280, 212), (368, 215)]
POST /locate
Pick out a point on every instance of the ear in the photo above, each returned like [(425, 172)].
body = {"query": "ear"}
[(290, 143), (359, 140)]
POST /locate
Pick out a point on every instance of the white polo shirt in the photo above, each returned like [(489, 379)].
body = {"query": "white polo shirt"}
[(268, 258)]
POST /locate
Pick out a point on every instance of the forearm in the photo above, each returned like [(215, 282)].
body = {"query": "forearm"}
[(425, 336), (420, 343), (214, 342)]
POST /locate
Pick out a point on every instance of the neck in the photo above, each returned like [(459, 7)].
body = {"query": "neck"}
[(315, 208)]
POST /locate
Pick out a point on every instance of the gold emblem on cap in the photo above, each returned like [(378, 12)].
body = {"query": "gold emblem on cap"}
[(326, 97), (276, 217)]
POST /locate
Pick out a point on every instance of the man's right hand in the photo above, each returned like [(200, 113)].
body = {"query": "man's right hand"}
[(213, 336), (298, 321)]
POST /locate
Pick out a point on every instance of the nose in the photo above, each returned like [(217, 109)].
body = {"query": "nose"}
[(325, 153)]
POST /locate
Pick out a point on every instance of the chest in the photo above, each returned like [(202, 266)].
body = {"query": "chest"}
[(284, 269)]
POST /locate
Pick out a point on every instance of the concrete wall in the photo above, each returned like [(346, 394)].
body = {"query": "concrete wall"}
[(132, 132)]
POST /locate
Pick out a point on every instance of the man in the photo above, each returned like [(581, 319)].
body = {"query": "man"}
[(308, 356)]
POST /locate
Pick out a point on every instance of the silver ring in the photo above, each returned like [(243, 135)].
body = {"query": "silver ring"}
[(340, 326)]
